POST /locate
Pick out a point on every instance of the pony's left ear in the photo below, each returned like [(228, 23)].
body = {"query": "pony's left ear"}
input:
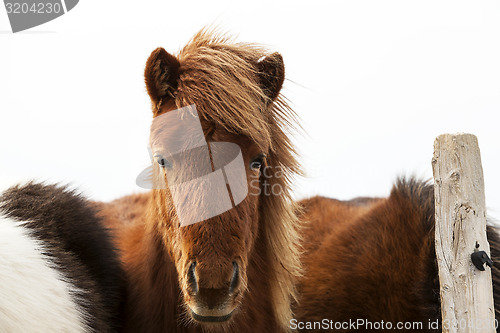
[(271, 71), (161, 74)]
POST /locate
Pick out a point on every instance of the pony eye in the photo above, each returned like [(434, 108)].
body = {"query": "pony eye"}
[(164, 163), (257, 162)]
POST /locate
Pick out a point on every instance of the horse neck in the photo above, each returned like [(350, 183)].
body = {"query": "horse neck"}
[(154, 304)]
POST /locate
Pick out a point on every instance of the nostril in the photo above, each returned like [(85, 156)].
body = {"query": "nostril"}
[(235, 279), (192, 277)]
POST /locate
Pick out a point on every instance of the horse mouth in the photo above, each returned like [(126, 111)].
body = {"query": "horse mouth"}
[(211, 319)]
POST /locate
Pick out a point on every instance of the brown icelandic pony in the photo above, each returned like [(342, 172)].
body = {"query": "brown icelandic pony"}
[(241, 271), (235, 272)]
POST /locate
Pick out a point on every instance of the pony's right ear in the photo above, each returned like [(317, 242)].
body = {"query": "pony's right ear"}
[(161, 73), (271, 71)]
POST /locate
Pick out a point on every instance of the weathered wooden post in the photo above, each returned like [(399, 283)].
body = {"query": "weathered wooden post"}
[(466, 292)]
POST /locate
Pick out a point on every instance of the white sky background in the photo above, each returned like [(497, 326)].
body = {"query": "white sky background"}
[(374, 82)]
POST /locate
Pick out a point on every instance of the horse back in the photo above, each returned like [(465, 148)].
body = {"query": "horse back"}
[(371, 259)]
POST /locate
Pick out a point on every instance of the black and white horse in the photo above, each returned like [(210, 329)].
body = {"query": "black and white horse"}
[(59, 271)]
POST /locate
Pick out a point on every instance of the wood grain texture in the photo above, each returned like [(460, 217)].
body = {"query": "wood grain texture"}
[(466, 292)]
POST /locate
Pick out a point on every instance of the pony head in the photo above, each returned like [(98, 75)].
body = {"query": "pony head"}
[(235, 89)]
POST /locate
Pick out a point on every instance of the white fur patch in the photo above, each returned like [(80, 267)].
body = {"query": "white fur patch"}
[(34, 295)]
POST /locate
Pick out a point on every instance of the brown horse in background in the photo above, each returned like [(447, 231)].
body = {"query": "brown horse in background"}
[(241, 271)]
